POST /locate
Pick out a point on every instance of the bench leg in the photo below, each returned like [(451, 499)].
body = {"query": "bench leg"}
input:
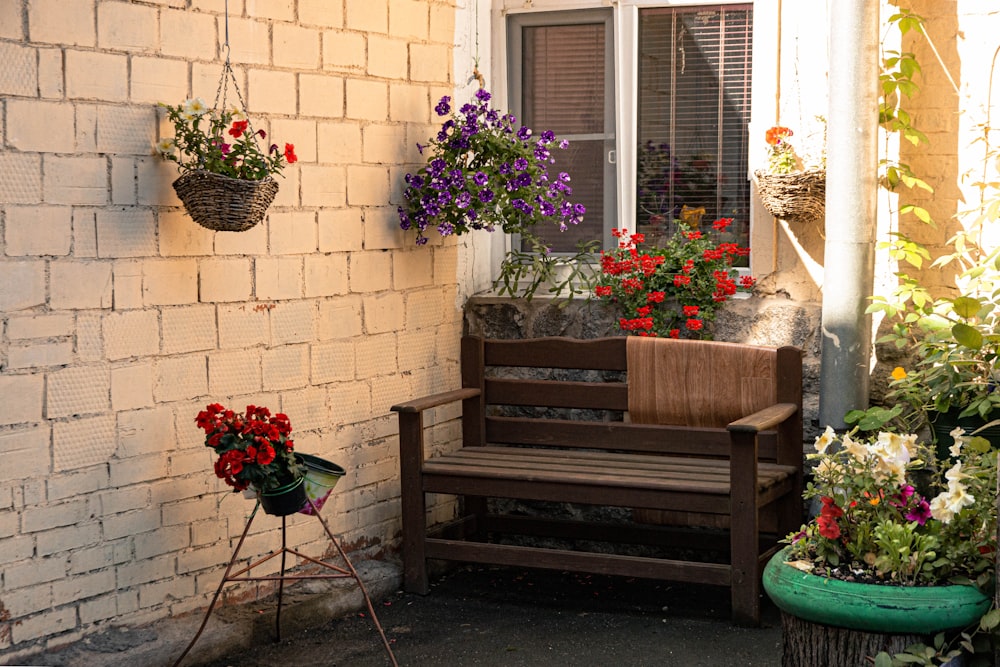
[(744, 529), (414, 504)]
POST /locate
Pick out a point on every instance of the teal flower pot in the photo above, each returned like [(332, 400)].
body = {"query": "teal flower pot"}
[(921, 610)]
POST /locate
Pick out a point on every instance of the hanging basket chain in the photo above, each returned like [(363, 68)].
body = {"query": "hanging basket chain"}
[(228, 75)]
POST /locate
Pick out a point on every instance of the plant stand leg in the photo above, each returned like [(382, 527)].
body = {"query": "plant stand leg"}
[(361, 585), (218, 591), (243, 575), (281, 582)]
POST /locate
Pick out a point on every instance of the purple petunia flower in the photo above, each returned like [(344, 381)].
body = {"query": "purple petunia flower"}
[(564, 144), (524, 133), (520, 164), (921, 513), (480, 178), (482, 95), (443, 107), (446, 229), (486, 195), (463, 199)]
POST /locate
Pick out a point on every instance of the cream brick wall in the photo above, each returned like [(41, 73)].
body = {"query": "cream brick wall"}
[(120, 318)]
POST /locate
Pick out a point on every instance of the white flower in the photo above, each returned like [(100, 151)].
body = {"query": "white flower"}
[(166, 145), (859, 450), (940, 510), (958, 435), (955, 474), (895, 447), (193, 108), (237, 114), (823, 441), (828, 470)]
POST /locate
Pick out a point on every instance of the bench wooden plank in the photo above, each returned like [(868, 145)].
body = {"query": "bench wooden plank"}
[(702, 442), (580, 561), (557, 394), (515, 459), (557, 352)]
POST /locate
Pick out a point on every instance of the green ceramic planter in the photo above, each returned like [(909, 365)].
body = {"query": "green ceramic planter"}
[(321, 477), (870, 607)]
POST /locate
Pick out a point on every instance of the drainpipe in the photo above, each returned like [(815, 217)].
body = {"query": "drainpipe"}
[(851, 191)]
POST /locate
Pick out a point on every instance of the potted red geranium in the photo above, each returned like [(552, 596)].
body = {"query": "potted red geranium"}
[(254, 451)]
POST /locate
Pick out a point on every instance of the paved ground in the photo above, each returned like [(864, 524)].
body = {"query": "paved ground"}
[(512, 617), (475, 615)]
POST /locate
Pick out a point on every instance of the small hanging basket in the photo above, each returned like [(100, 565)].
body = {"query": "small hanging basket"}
[(222, 203), (797, 197)]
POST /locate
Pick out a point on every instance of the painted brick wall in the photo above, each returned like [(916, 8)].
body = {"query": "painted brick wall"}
[(121, 318)]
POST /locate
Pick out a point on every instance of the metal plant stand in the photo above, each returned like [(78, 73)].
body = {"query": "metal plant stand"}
[(244, 575)]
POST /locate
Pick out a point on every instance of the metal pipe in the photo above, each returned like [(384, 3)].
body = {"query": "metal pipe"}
[(851, 195)]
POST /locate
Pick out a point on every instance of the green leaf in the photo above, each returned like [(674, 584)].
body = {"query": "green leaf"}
[(966, 306), (883, 659), (990, 620), (967, 336)]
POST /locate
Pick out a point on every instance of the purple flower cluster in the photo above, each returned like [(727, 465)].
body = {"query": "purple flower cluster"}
[(486, 172)]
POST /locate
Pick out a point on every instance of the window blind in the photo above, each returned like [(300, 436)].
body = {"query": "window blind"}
[(563, 70), (694, 108)]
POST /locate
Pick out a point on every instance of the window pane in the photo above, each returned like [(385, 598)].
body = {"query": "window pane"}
[(694, 107), (563, 79)]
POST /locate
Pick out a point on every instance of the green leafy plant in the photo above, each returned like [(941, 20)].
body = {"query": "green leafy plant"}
[(220, 142), (673, 290), (525, 272)]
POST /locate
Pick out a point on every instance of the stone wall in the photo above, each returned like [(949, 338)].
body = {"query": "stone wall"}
[(121, 318)]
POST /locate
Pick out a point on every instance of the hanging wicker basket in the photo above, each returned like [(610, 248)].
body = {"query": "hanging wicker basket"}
[(799, 196), (222, 203)]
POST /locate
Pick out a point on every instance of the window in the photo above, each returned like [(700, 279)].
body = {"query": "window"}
[(691, 96), (563, 82)]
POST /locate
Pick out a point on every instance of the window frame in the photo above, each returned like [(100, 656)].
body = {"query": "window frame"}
[(624, 66), (514, 61)]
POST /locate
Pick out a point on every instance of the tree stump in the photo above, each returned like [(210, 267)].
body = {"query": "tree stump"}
[(807, 644)]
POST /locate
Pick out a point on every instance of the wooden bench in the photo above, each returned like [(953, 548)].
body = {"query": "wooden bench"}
[(712, 441)]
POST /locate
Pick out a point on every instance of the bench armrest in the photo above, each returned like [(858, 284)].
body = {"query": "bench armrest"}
[(434, 400), (764, 419)]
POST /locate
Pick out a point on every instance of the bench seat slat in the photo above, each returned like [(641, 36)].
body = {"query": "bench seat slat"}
[(651, 465), (597, 468)]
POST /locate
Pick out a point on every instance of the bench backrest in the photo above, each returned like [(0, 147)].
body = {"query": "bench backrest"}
[(564, 392)]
